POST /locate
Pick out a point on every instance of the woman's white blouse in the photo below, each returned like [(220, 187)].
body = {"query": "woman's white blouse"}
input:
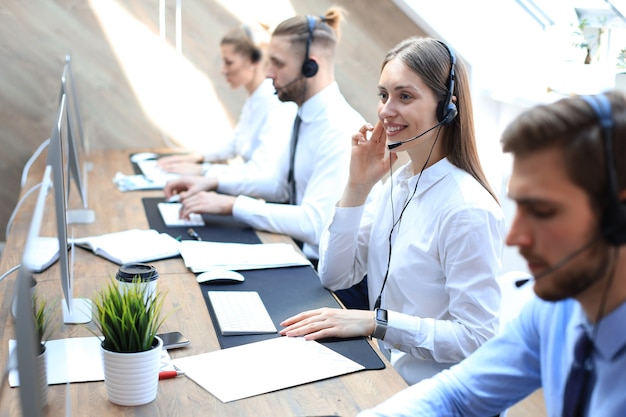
[(446, 248)]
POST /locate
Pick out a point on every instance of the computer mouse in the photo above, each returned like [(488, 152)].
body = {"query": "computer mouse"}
[(220, 277), (143, 156)]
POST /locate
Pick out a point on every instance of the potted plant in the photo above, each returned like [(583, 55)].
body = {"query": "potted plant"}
[(131, 350), (43, 315)]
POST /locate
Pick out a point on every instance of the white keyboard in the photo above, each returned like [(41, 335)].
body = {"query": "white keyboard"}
[(170, 215), (241, 312)]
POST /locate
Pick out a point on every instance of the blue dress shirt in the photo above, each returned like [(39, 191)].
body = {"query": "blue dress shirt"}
[(533, 351)]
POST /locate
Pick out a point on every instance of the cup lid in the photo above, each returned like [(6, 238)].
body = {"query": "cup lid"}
[(145, 272)]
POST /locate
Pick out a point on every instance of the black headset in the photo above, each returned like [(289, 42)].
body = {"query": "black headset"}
[(613, 220), (309, 66), (446, 109)]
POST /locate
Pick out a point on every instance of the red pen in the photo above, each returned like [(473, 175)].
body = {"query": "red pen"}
[(169, 374)]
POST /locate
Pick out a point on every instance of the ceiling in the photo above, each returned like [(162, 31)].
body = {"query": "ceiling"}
[(525, 50)]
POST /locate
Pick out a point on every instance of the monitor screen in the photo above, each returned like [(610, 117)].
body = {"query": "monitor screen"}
[(76, 146), (74, 310), (60, 178)]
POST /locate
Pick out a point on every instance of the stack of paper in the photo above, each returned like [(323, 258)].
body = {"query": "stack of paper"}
[(134, 245), (266, 366), (200, 256)]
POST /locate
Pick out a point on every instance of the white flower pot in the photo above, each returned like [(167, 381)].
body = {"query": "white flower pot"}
[(42, 375), (132, 378)]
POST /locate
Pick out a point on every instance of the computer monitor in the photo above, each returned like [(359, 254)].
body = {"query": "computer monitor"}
[(76, 146), (26, 340), (74, 310)]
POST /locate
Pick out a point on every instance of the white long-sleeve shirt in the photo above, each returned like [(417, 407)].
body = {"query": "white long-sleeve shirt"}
[(321, 171), (441, 294), (260, 137)]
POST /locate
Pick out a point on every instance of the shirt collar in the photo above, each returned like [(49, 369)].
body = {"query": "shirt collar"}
[(317, 103), (611, 337), (429, 177)]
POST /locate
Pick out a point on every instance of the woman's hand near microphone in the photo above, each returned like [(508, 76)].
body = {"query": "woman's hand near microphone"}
[(368, 164)]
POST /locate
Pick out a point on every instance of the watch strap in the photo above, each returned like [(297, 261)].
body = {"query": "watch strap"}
[(380, 323)]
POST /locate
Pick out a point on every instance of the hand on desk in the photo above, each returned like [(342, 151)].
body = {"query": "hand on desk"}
[(329, 322), (207, 202), (183, 168), (188, 185), (186, 164), (196, 196)]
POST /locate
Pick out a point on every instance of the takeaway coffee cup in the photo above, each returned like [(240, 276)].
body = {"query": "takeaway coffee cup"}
[(146, 274)]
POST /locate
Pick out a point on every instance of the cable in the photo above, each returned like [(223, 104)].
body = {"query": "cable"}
[(6, 274), (610, 271), (395, 222), (32, 159), (17, 207)]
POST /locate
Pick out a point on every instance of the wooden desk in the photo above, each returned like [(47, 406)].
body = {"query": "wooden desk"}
[(343, 396)]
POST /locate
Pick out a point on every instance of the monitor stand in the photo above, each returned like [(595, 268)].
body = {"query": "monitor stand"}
[(80, 216), (83, 215), (81, 311)]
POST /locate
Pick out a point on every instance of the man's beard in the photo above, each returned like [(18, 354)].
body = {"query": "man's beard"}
[(576, 277), (293, 92)]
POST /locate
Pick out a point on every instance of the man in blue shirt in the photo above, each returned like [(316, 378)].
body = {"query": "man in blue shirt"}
[(569, 186)]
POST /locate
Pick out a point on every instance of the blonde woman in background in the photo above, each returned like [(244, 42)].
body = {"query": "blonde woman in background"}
[(264, 126)]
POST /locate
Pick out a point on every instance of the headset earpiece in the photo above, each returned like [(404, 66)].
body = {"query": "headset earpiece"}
[(446, 109), (613, 220), (447, 115), (309, 66)]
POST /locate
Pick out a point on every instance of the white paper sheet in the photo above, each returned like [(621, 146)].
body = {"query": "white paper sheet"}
[(207, 256), (261, 367), (76, 359)]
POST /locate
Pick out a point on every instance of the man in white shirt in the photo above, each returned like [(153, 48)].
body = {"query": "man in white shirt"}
[(301, 54)]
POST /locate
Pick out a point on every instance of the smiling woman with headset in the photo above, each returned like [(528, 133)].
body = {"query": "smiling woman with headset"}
[(261, 131), (428, 240)]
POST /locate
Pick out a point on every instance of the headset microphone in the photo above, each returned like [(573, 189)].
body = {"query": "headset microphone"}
[(278, 89), (396, 144), (567, 258)]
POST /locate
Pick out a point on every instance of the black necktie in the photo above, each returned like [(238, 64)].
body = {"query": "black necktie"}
[(292, 157), (575, 395)]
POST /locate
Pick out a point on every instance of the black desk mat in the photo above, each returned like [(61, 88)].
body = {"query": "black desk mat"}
[(287, 292), (284, 291), (216, 229)]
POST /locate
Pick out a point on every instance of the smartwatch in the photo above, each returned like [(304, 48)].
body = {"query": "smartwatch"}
[(380, 324)]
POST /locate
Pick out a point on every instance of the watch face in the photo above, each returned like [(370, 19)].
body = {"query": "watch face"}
[(381, 315)]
